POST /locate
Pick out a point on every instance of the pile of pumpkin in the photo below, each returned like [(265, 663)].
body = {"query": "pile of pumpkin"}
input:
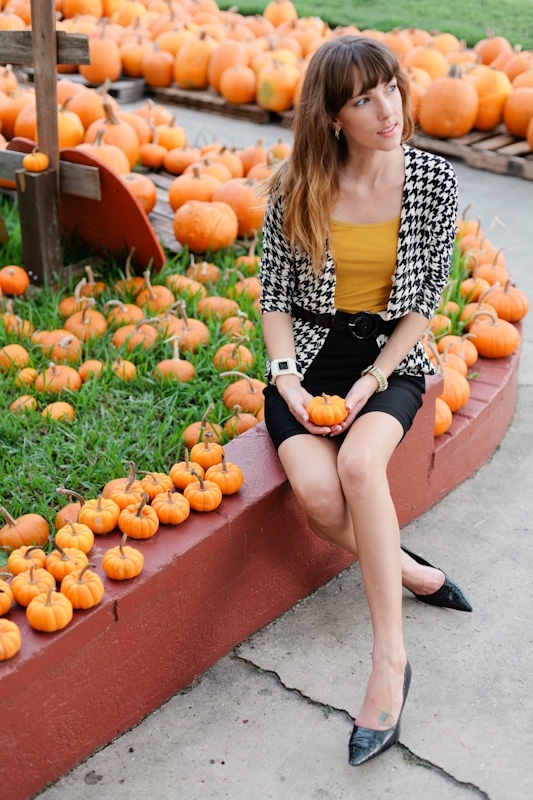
[(216, 196), (262, 58), (52, 577), (141, 316), (476, 317)]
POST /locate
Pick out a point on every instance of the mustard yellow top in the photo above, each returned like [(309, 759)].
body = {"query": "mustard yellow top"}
[(365, 258)]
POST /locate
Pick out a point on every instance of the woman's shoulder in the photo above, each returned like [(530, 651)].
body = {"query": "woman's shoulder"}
[(423, 165)]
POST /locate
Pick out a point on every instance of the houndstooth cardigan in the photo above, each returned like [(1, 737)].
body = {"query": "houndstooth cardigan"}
[(425, 241)]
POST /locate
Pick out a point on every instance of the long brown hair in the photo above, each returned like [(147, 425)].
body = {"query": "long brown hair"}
[(309, 179)]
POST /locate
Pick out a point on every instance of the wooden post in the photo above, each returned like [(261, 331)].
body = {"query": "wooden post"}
[(44, 63), (38, 205), (38, 195)]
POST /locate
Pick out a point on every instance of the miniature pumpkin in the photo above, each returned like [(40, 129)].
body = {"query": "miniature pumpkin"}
[(154, 298), (493, 337), (203, 495), (125, 491), (227, 475), (181, 473), (171, 507), (240, 422), (59, 410), (24, 558), (327, 410), (75, 534), (35, 161), (6, 595), (14, 356), (49, 612), (139, 520), (58, 377), (207, 453), (27, 585), (175, 368), (61, 562), (234, 355), (122, 562), (23, 404), (100, 515), (10, 639), (25, 530), (511, 303), (14, 280), (246, 392), (83, 587), (456, 389), (155, 483)]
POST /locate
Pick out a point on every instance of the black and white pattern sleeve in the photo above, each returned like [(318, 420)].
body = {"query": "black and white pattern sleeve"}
[(276, 272), (440, 227)]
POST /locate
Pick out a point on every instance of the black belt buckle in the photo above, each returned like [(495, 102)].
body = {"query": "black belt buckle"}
[(364, 325)]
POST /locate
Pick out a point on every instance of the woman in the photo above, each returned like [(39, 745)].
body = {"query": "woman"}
[(357, 242)]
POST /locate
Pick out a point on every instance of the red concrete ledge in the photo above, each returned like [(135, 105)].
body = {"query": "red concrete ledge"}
[(206, 586)]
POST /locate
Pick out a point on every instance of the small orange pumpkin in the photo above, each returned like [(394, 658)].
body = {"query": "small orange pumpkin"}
[(49, 612), (84, 588), (122, 562), (36, 161), (203, 495), (327, 410), (171, 507), (139, 520), (10, 639)]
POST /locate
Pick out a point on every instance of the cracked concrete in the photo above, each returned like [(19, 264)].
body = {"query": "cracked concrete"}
[(272, 720)]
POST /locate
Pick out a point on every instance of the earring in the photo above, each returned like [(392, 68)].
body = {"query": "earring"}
[(337, 133)]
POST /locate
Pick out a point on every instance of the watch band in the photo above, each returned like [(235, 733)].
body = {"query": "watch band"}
[(379, 375), (283, 366)]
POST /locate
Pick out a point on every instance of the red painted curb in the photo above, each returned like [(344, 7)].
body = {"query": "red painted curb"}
[(207, 585)]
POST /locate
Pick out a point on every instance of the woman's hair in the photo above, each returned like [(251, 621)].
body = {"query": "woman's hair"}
[(309, 179)]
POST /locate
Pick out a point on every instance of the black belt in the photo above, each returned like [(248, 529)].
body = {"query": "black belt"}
[(362, 325)]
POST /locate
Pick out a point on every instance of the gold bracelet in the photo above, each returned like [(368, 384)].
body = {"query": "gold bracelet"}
[(379, 375)]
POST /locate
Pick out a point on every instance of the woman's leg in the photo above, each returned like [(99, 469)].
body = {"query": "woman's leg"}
[(310, 463), (362, 469)]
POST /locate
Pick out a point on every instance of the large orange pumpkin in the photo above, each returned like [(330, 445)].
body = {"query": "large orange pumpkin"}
[(203, 226), (449, 107)]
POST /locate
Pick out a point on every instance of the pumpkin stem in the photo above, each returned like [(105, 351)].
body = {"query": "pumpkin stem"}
[(121, 545), (80, 579), (132, 474), (200, 481), (49, 596), (10, 520), (144, 501), (127, 268), (64, 556), (70, 493), (235, 372)]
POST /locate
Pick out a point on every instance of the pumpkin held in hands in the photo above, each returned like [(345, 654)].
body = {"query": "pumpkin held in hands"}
[(327, 410)]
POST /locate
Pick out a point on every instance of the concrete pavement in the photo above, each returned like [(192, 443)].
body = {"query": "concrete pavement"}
[(271, 720)]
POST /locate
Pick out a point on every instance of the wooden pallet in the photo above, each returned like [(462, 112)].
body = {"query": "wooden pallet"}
[(125, 90), (208, 100), (494, 151), (161, 216)]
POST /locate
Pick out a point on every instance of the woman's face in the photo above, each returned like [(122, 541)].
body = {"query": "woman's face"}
[(372, 120)]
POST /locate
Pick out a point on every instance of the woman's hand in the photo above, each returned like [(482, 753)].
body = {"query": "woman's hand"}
[(357, 397), (297, 399)]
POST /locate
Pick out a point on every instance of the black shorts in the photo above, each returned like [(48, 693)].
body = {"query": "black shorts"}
[(334, 371)]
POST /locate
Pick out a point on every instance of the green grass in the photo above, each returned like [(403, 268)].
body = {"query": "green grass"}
[(470, 21), (116, 422)]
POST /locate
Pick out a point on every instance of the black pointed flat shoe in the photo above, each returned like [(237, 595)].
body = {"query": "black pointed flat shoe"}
[(448, 596), (366, 744)]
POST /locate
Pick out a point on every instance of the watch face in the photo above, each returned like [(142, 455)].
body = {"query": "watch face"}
[(283, 365)]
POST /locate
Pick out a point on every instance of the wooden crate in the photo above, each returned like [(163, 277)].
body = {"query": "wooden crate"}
[(494, 151)]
